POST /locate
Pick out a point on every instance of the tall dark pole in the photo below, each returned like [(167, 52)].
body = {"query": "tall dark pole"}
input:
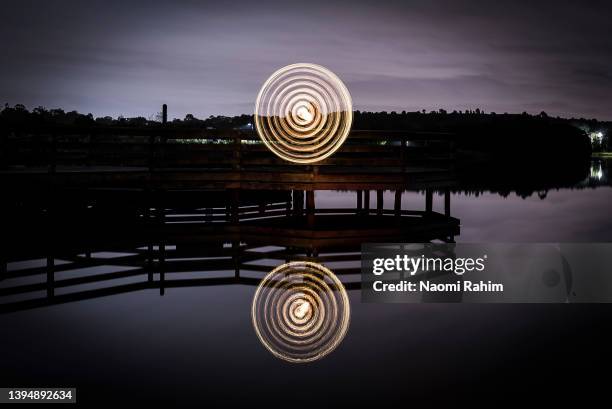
[(164, 114)]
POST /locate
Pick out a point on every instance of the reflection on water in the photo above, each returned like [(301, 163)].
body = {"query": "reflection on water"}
[(118, 274), (301, 311), (103, 243), (597, 172), (223, 238)]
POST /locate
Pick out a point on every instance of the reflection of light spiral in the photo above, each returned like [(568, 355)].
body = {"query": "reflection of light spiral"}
[(301, 311), (303, 113)]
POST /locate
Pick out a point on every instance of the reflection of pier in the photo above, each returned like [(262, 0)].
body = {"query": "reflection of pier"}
[(111, 242)]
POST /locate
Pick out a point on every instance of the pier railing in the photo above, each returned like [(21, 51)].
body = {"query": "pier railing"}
[(159, 147), (174, 158)]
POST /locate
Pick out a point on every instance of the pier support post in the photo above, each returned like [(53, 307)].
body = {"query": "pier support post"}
[(379, 202), (366, 201), (161, 219), (236, 258), (310, 207), (162, 268), (397, 206), (235, 206), (51, 227), (298, 202), (428, 200), (359, 201), (149, 222), (150, 262), (288, 204), (447, 197)]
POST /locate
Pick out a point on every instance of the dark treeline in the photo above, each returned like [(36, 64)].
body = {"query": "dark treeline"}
[(476, 130), (20, 117)]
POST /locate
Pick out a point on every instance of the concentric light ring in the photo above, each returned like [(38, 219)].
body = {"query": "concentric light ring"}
[(300, 311), (303, 113)]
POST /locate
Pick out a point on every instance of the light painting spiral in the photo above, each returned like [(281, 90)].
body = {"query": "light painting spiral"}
[(303, 113), (300, 311)]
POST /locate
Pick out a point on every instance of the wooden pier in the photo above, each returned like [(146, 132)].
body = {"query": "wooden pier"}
[(176, 207)]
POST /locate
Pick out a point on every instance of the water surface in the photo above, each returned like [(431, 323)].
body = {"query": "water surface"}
[(197, 343)]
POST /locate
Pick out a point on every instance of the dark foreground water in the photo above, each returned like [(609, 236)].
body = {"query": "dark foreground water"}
[(198, 345)]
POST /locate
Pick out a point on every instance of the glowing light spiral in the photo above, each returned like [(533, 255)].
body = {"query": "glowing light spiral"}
[(300, 311), (303, 113)]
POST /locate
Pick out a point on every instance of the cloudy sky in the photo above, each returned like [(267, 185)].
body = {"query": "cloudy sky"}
[(205, 58)]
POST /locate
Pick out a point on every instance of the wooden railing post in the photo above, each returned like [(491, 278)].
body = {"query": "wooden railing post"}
[(89, 152), (151, 152), (4, 147), (403, 154), (237, 150), (163, 142), (53, 154)]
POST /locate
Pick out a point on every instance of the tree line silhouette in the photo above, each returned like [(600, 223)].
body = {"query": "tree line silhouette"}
[(510, 134)]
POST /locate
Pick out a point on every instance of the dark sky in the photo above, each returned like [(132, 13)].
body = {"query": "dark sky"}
[(123, 57)]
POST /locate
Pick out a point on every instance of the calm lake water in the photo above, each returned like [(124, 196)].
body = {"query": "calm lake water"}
[(197, 344)]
